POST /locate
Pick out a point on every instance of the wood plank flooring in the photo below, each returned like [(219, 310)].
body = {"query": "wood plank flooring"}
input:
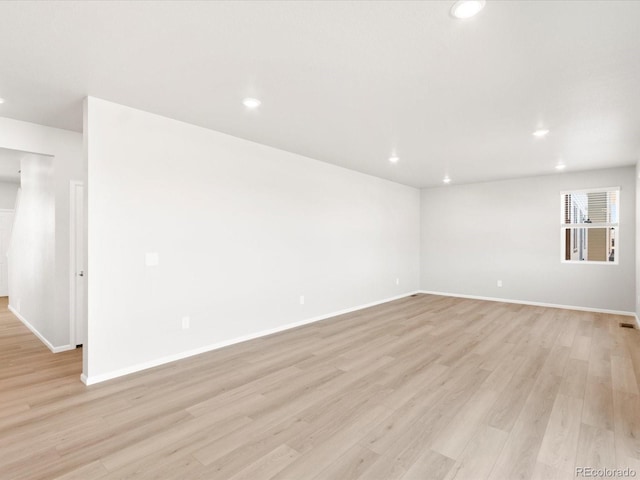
[(425, 387)]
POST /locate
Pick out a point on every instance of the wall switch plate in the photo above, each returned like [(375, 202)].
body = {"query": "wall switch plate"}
[(499, 283), (185, 322), (397, 281), (301, 299), (151, 259)]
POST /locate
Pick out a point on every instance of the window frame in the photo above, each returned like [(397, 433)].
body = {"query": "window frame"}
[(576, 226)]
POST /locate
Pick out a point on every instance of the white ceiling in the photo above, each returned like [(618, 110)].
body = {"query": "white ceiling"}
[(10, 165), (349, 82)]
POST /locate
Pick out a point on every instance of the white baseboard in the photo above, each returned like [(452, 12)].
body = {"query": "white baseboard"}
[(33, 329), (637, 321), (93, 379), (535, 304)]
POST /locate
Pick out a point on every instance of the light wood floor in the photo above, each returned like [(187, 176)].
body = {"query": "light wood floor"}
[(421, 388)]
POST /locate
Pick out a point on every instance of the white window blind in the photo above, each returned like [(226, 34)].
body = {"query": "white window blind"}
[(590, 225)]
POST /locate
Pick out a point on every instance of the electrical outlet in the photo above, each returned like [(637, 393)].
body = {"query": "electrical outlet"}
[(185, 322), (397, 281), (500, 283), (301, 299)]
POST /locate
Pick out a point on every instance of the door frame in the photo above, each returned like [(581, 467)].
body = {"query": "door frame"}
[(73, 315)]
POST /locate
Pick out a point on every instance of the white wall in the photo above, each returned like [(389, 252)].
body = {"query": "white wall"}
[(474, 235), (32, 250), (8, 192), (241, 229), (637, 298), (68, 164)]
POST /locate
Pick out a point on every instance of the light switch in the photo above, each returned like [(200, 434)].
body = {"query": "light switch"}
[(151, 259)]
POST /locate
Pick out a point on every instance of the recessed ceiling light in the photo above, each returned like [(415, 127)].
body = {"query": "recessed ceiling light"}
[(467, 8), (446, 180), (394, 159), (251, 102), (541, 132), (1, 100), (560, 166)]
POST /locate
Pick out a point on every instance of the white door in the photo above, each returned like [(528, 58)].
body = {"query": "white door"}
[(79, 277), (6, 224)]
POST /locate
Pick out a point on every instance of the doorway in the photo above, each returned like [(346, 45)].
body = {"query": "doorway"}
[(9, 188), (36, 271), (6, 225)]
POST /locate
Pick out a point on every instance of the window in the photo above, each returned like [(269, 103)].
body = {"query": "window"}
[(590, 225)]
